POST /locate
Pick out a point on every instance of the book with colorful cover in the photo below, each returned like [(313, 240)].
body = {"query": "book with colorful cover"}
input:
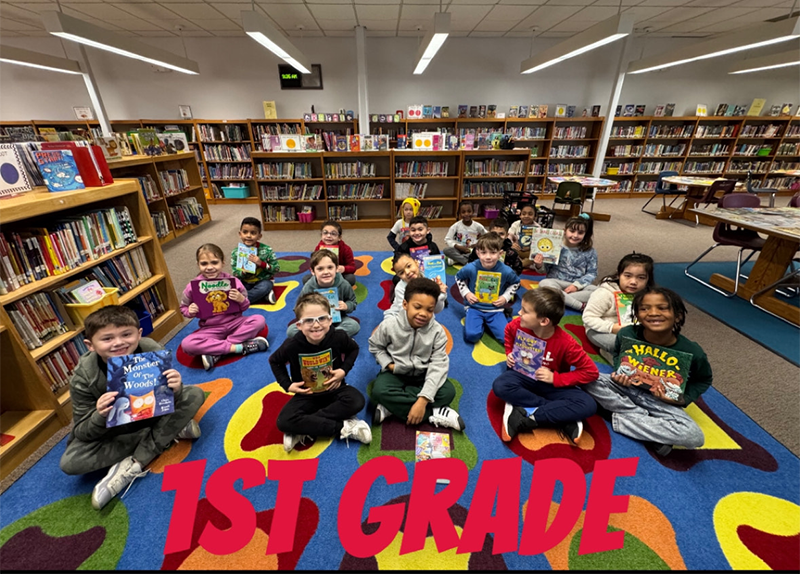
[(88, 292), (528, 353), (434, 268), (142, 386), (13, 176), (315, 369), (487, 286), (651, 366), (623, 302), (419, 254), (59, 170), (212, 297), (525, 236), (432, 445), (548, 242), (332, 295), (333, 249), (243, 252)]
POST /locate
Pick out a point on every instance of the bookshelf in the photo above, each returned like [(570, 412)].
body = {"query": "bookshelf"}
[(286, 183), (31, 410), (487, 174), (272, 127), (435, 175)]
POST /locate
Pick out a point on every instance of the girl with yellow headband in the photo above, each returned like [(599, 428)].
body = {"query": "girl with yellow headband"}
[(399, 232)]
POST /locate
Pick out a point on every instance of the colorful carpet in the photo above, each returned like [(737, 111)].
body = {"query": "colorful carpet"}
[(735, 503)]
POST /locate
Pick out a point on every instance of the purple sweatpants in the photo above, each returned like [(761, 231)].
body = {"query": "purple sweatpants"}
[(217, 339)]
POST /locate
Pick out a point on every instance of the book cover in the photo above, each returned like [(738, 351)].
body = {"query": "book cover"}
[(548, 242), (437, 112), (59, 170), (639, 111), (473, 111), (533, 111), (740, 110), (483, 141), (623, 302), (482, 111), (434, 268), (332, 295), (651, 366), (731, 110), (570, 111), (469, 141), (513, 111), (142, 386), (383, 142), (528, 353), (419, 254), (659, 113), (354, 143), (402, 141), (561, 110), (525, 236), (341, 143), (721, 110), (618, 111), (315, 369), (669, 109), (270, 111), (13, 177), (445, 111), (585, 113), (211, 296), (487, 286), (786, 109), (432, 445), (543, 111), (243, 252), (491, 111), (427, 111), (595, 111), (88, 292), (701, 110), (452, 142), (148, 138), (462, 111), (775, 110), (523, 112), (628, 111), (756, 107)]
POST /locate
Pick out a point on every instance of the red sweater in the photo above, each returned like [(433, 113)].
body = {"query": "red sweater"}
[(560, 355), (346, 257)]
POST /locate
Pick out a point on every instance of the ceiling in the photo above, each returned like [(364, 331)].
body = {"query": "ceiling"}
[(336, 18)]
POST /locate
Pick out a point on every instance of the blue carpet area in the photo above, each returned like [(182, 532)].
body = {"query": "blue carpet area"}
[(772, 333), (719, 507)]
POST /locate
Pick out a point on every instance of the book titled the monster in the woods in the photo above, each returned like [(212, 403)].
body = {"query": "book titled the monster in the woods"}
[(142, 386)]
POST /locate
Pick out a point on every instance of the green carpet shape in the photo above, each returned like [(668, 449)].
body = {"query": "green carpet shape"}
[(634, 555)]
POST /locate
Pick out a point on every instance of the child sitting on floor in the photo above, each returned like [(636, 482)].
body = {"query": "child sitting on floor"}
[(399, 231), (258, 284), (463, 234), (508, 255), (521, 242), (333, 242), (406, 269)]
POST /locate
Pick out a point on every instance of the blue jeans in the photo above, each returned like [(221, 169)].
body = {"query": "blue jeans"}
[(555, 405), (259, 290), (473, 324)]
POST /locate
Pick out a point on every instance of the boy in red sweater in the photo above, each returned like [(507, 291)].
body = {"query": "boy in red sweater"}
[(548, 396), (332, 241)]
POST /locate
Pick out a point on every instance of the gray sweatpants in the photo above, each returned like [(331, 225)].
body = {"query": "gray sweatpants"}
[(456, 255), (602, 340), (144, 440), (348, 325), (639, 415), (572, 300)]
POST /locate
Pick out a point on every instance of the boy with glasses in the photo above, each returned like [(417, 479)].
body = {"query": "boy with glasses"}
[(319, 358), (332, 241)]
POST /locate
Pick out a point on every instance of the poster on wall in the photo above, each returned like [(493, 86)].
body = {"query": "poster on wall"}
[(185, 112), (83, 112)]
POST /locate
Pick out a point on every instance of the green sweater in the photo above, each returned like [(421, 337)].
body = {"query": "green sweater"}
[(266, 255)]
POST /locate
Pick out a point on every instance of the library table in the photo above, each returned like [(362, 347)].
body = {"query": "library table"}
[(789, 172), (781, 225), (697, 188), (586, 182)]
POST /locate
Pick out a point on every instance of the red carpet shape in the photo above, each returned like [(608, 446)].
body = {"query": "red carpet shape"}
[(386, 302), (781, 553), (33, 549), (265, 432), (197, 363)]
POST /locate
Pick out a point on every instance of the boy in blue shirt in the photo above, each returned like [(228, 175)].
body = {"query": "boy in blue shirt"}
[(487, 285)]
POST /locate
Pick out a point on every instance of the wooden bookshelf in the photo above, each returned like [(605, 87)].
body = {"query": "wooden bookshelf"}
[(30, 411)]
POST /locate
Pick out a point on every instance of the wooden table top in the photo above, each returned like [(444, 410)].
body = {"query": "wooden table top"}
[(782, 222), (584, 181), (691, 180)]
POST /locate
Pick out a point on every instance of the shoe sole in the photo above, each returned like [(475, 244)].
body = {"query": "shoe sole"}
[(580, 432), (504, 435)]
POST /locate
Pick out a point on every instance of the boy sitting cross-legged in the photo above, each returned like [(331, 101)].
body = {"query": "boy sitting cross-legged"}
[(114, 331), (259, 284), (410, 348), (550, 397), (318, 356)]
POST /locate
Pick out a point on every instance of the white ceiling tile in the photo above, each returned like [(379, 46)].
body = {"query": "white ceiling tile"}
[(30, 18), (380, 33), (484, 34), (709, 19), (156, 34), (709, 3), (572, 2), (336, 25), (229, 33), (10, 34), (383, 12), (217, 24), (545, 17), (674, 16), (128, 33), (376, 2), (523, 2), (557, 34), (459, 33), (418, 12), (757, 3), (467, 17), (200, 11), (455, 3), (422, 25), (615, 3), (501, 26), (7, 24), (662, 3), (196, 34), (745, 21), (333, 12), (74, 1), (31, 9), (642, 13), (101, 11), (233, 10), (96, 21), (379, 25), (572, 26), (185, 24), (509, 13), (339, 33), (148, 11), (595, 14), (135, 24), (421, 2), (305, 33)]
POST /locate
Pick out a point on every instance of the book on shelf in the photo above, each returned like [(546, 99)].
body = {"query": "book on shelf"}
[(570, 111), (649, 366), (618, 111), (756, 106), (487, 286), (491, 111), (437, 112), (639, 110), (434, 268), (527, 353), (513, 111), (701, 110), (270, 110), (212, 297), (90, 160), (482, 111), (659, 113), (473, 111), (13, 175), (669, 110), (88, 292), (243, 253), (628, 111), (427, 111), (547, 242), (59, 364), (141, 386), (462, 111), (315, 369), (432, 445), (332, 295), (721, 109), (39, 317), (730, 110), (595, 111), (561, 110), (543, 111), (775, 110), (59, 170), (522, 112)]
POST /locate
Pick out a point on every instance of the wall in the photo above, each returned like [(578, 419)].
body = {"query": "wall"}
[(237, 74)]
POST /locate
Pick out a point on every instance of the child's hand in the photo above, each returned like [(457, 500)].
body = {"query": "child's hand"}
[(571, 289), (254, 259), (621, 379), (500, 301), (538, 259), (510, 361), (417, 412), (105, 402), (471, 298), (234, 295), (342, 306), (390, 367), (442, 286), (174, 380), (544, 375), (193, 309), (336, 379), (516, 246), (340, 269), (299, 389), (462, 248), (615, 329)]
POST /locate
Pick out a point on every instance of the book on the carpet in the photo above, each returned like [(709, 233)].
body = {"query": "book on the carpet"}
[(332, 295), (623, 302), (431, 445), (548, 242), (487, 286), (316, 368), (212, 297), (434, 268), (651, 366), (419, 254), (528, 353), (243, 253), (142, 386)]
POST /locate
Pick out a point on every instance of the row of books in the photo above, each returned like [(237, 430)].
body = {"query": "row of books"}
[(751, 166), (567, 168), (39, 318), (421, 168), (624, 185), (663, 150), (570, 151), (160, 223), (536, 169), (223, 133), (279, 213), (227, 152), (751, 149), (762, 131), (300, 191), (716, 149), (186, 211), (569, 132), (149, 189), (789, 149), (527, 133), (430, 211), (404, 190), (648, 167), (350, 169), (357, 191), (151, 301), (623, 168), (174, 181), (717, 131), (671, 131), (490, 188), (36, 253), (786, 165), (59, 365), (230, 171), (343, 212), (793, 131), (704, 167), (625, 150), (494, 167), (284, 170), (125, 271), (260, 130), (628, 131), (781, 182)]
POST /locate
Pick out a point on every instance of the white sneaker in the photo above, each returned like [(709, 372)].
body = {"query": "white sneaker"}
[(271, 297), (119, 476), (381, 414), (449, 262), (191, 430), (292, 440), (356, 429), (209, 361), (447, 417)]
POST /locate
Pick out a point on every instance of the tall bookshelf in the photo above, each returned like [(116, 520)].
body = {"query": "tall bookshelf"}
[(227, 147), (286, 183), (30, 411), (433, 177), (272, 127), (487, 174)]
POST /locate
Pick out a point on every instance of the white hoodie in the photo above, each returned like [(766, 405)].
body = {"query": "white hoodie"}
[(600, 313)]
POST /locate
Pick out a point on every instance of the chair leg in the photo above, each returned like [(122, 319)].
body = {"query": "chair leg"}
[(709, 285), (648, 203), (769, 288)]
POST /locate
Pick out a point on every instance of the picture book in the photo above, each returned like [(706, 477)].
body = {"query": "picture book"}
[(437, 112), (543, 111), (148, 138), (469, 141), (482, 111), (142, 386), (623, 302), (316, 368), (659, 113), (427, 111), (639, 111), (402, 141), (462, 111), (595, 111), (355, 143), (528, 353), (721, 110), (290, 142), (487, 286), (432, 445), (341, 143), (669, 109), (628, 111), (13, 177), (740, 110), (513, 111), (533, 111), (434, 268), (786, 109), (59, 170), (483, 141), (445, 111), (525, 235), (775, 110), (211, 296), (332, 295), (731, 110), (618, 111), (243, 252), (491, 111), (585, 113), (756, 107), (88, 292), (419, 254), (701, 110), (523, 112), (333, 249), (415, 112), (270, 110), (561, 110), (473, 111), (548, 242), (383, 142), (651, 366), (570, 111)]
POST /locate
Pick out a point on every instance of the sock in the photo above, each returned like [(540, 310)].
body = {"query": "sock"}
[(238, 349), (530, 411)]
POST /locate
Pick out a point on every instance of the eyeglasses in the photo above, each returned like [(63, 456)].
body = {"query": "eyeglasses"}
[(309, 321), (331, 233)]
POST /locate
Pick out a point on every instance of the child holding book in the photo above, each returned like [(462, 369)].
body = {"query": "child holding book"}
[(647, 414), (325, 278), (463, 234), (519, 234), (577, 265), (410, 349), (407, 269), (226, 333), (111, 332), (546, 395), (399, 231), (608, 308), (319, 357), (333, 242), (494, 285), (258, 283), (420, 242), (508, 255)]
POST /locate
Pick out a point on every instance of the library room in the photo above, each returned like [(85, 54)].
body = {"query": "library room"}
[(478, 235)]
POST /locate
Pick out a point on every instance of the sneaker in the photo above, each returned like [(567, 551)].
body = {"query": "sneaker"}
[(292, 440), (508, 312), (449, 262), (660, 449), (381, 414), (257, 345), (209, 361), (447, 417), (605, 414), (119, 476), (356, 429), (609, 357), (191, 430), (271, 297), (514, 422), (572, 430)]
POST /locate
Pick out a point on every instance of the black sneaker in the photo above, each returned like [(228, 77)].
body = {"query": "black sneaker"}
[(572, 430), (604, 413), (257, 345), (507, 312), (515, 420), (209, 361), (661, 450)]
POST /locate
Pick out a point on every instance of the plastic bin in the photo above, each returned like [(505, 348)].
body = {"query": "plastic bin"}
[(235, 192), (145, 321), (79, 311), (491, 213), (307, 217)]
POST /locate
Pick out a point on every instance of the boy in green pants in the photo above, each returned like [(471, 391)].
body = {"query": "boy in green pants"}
[(410, 348)]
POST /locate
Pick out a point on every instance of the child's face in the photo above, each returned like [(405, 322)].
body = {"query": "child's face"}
[(408, 211), (314, 322), (210, 265), (418, 233), (527, 215), (633, 279), (406, 268), (465, 213), (655, 314), (574, 236), (325, 272), (113, 341), (500, 231), (250, 235), (529, 319), (488, 258), (419, 309), (330, 235)]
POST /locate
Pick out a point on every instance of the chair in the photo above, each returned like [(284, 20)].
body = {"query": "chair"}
[(568, 192), (728, 235), (664, 191), (795, 201), (770, 190), (726, 186), (791, 281)]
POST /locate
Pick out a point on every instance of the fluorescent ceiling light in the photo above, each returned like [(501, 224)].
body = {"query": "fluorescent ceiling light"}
[(69, 28), (433, 41), (260, 30), (31, 59), (598, 35), (763, 35), (782, 60)]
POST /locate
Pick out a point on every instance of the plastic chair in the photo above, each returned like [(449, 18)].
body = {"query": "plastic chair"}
[(726, 186), (728, 235), (568, 192), (770, 190), (664, 190), (794, 201)]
